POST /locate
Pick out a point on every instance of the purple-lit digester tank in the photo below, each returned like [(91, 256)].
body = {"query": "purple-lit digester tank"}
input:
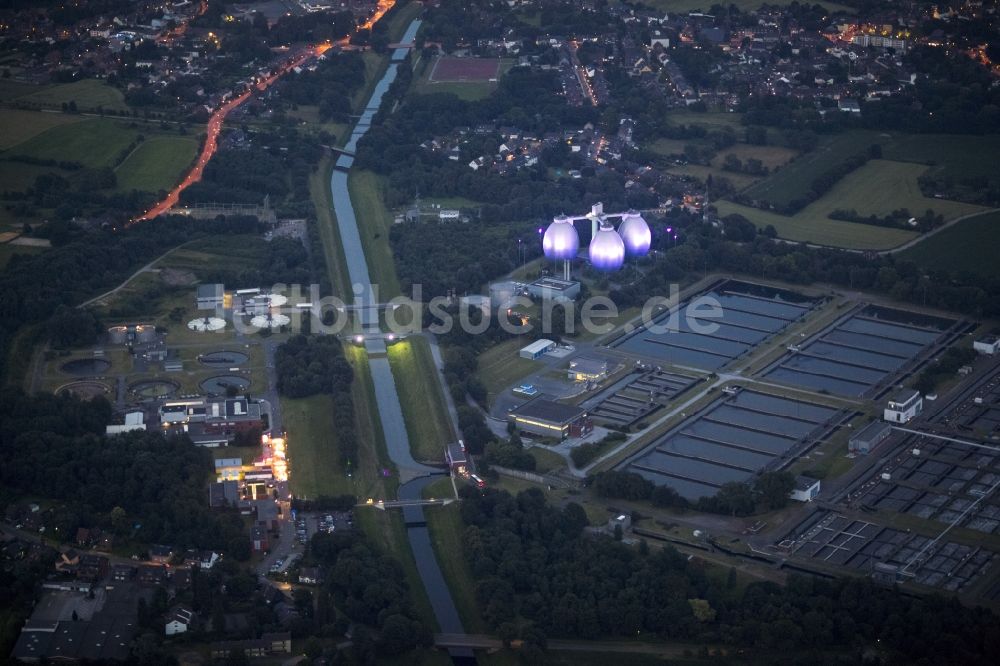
[(635, 233), (561, 240), (607, 250)]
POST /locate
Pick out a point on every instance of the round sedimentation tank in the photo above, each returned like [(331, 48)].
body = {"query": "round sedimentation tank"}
[(635, 234), (561, 241), (85, 367), (270, 321), (85, 390), (223, 359), (203, 324), (607, 250), (223, 383), (154, 388)]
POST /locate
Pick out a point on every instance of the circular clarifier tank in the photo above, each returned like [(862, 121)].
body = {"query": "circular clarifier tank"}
[(222, 383)]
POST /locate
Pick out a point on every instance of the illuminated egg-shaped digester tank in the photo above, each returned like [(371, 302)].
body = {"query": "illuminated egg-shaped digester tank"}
[(635, 233), (607, 250), (561, 240)]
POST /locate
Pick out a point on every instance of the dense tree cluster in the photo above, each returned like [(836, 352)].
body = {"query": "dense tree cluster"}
[(534, 564), (329, 86), (509, 453), (945, 367), (370, 588), (54, 447), (310, 365), (767, 492)]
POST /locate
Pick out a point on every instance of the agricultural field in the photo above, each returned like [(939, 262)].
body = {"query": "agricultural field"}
[(772, 157), (710, 121), (787, 185), (89, 94), (94, 143), (17, 126), (11, 90), (157, 163), (879, 187), (969, 245), (950, 155), (420, 397)]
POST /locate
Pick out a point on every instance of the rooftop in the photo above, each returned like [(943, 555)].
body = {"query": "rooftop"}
[(548, 410)]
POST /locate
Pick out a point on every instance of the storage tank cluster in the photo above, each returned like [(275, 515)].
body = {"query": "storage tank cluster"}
[(608, 248)]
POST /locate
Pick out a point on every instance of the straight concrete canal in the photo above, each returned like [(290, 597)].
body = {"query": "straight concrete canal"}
[(413, 476)]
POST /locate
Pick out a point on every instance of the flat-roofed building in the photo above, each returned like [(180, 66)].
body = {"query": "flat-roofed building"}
[(587, 369), (210, 296), (865, 440), (548, 418), (556, 289), (903, 406)]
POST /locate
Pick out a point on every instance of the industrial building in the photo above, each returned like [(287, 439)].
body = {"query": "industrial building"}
[(902, 407), (988, 345), (133, 421), (586, 369), (865, 440), (210, 296), (457, 458), (537, 349), (806, 489), (548, 418), (554, 289), (210, 422)]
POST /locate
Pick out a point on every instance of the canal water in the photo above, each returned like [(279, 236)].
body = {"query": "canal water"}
[(415, 476)]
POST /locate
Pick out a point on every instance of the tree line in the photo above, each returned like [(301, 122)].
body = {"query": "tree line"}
[(539, 573)]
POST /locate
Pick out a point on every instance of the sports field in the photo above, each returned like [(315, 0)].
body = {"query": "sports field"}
[(18, 126), (879, 187), (969, 245), (447, 69), (467, 78), (156, 164)]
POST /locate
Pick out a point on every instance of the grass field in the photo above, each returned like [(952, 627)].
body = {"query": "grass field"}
[(314, 464), (953, 155), (18, 126), (500, 366), (427, 422), (157, 164), (546, 461), (88, 95), (11, 90), (793, 183), (879, 187), (773, 157), (969, 245), (94, 142), (446, 528), (740, 181), (374, 222), (709, 121)]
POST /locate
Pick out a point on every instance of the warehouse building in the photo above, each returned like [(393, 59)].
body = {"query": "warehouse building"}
[(548, 418), (865, 440), (537, 349)]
